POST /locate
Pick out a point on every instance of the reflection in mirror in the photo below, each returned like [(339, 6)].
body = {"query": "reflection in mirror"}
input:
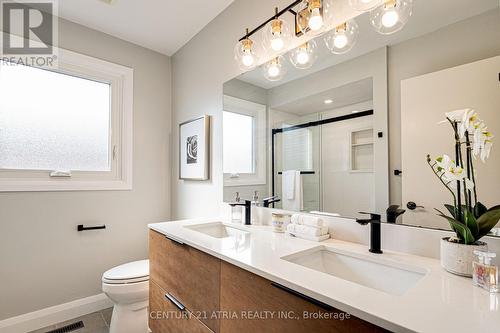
[(351, 132), (424, 98), (324, 133)]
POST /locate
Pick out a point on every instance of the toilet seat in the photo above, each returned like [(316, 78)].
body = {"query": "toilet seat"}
[(132, 272)]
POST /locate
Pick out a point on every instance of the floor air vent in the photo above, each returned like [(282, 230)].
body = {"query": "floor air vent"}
[(68, 328)]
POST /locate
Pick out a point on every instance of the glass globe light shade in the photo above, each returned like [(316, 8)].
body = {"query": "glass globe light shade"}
[(304, 56), (274, 70), (276, 36), (392, 16), (245, 55), (365, 5), (313, 16), (343, 38)]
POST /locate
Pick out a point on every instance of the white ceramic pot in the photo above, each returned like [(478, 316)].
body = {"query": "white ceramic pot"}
[(457, 258)]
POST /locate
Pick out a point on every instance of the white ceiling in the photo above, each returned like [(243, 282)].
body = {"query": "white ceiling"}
[(349, 94), (161, 25), (428, 16)]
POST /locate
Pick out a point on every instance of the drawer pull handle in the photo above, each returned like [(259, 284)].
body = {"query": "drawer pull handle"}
[(174, 301), (304, 297), (176, 241)]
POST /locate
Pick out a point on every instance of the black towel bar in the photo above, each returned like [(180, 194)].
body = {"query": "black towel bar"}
[(80, 227), (302, 173)]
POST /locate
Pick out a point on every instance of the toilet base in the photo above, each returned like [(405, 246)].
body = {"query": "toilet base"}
[(130, 318)]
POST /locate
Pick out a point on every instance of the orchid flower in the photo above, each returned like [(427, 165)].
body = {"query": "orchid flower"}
[(486, 150), (482, 143), (465, 119), (468, 121), (452, 173)]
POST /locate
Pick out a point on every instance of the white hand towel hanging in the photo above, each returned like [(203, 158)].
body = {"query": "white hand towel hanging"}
[(292, 182), (289, 184)]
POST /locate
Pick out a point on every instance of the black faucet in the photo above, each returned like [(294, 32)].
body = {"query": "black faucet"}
[(393, 212), (248, 210), (271, 200), (375, 231)]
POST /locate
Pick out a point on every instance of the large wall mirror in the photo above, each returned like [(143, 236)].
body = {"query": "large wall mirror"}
[(351, 133)]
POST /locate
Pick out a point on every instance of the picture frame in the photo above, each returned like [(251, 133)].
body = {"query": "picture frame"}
[(194, 149)]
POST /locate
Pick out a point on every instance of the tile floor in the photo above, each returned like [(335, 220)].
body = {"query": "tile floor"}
[(97, 322)]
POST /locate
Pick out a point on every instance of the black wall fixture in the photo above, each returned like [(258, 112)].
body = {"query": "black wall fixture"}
[(81, 227)]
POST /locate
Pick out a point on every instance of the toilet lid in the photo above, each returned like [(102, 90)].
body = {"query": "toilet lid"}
[(131, 272)]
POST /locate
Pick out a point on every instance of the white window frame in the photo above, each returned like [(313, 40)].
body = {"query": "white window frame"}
[(259, 113), (120, 79)]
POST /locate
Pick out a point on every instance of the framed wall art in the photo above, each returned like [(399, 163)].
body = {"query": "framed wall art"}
[(194, 149)]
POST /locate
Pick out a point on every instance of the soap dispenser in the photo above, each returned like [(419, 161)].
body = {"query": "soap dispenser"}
[(485, 275), (255, 204), (237, 210)]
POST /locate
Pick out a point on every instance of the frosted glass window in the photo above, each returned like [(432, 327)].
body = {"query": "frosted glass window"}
[(298, 150), (238, 138), (53, 121)]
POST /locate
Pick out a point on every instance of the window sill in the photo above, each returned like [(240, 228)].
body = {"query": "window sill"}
[(64, 185), (232, 182)]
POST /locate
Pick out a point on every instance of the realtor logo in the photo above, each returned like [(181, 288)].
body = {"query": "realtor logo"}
[(29, 31)]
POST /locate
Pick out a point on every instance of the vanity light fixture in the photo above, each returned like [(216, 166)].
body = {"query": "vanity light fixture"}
[(342, 39), (313, 16), (316, 19), (391, 16), (274, 69), (244, 53), (304, 56), (365, 5), (276, 35)]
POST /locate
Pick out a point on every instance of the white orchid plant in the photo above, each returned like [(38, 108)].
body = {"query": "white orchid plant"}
[(470, 219)]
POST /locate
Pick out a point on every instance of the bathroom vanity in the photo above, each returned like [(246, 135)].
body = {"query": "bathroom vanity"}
[(221, 297), (212, 276)]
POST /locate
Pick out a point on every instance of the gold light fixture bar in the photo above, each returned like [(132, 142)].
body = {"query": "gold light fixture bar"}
[(288, 9)]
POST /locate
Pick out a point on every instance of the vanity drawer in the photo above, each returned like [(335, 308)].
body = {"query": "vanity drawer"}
[(165, 317), (192, 276), (243, 292)]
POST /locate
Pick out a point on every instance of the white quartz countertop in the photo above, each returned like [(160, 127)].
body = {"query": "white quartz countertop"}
[(439, 302)]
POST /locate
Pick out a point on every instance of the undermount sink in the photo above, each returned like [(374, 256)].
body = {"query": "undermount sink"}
[(217, 230), (379, 274)]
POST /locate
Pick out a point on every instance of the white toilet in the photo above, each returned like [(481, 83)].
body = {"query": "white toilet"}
[(128, 287)]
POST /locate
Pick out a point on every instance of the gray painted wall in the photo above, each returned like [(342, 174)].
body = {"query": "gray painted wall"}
[(200, 69), (44, 261)]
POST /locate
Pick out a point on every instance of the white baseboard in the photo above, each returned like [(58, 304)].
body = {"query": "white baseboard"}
[(55, 314)]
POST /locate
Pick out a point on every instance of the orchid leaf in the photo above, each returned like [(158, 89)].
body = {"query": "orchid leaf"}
[(488, 221), (479, 210), (471, 223), (462, 231), (452, 210)]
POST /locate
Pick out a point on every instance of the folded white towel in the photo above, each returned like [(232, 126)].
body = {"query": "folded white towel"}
[(295, 219), (311, 238), (307, 230), (313, 221)]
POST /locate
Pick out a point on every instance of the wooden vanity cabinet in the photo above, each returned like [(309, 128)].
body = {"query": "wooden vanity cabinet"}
[(165, 317), (191, 276), (210, 295), (270, 307)]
